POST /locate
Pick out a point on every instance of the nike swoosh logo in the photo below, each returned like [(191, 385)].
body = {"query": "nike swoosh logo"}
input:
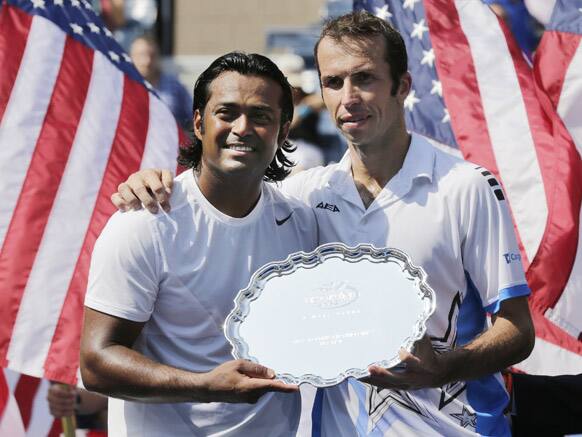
[(280, 222)]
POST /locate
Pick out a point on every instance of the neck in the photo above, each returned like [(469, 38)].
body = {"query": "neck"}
[(374, 165), (234, 196)]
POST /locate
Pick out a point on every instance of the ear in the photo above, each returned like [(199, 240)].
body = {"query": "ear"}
[(404, 87), (283, 133), (198, 128)]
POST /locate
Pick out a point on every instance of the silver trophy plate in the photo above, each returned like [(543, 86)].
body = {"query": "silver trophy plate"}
[(326, 315)]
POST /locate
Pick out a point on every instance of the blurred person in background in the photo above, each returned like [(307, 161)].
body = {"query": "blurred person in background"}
[(303, 131), (312, 129), (127, 19), (145, 54)]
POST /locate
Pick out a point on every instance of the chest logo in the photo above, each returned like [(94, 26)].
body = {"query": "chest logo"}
[(280, 222), (329, 206)]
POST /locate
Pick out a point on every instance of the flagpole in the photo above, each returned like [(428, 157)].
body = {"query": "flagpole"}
[(69, 423), (69, 426)]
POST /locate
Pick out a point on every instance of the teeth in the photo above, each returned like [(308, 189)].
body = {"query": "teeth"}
[(241, 148)]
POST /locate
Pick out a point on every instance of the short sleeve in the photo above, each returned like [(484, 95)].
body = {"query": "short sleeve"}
[(491, 256), (124, 273), (292, 185)]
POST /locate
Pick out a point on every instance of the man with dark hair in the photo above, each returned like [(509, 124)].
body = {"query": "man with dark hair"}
[(394, 189), (160, 287)]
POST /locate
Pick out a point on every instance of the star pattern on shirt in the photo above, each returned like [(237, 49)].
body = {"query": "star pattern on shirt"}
[(38, 4), (411, 100), (383, 12), (427, 57), (126, 57), (380, 400), (59, 3), (76, 3), (77, 29), (107, 32), (466, 418), (418, 29)]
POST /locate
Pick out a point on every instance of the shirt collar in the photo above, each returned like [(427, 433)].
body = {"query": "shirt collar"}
[(418, 163)]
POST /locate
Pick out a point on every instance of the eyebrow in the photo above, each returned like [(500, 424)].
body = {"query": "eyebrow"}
[(259, 106)]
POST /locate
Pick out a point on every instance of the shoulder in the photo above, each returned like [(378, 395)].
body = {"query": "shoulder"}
[(303, 183), (458, 177)]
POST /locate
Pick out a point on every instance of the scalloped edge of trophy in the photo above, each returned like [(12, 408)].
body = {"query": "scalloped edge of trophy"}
[(309, 260)]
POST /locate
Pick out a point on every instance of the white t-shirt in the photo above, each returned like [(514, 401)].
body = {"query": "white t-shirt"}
[(179, 273), (451, 217)]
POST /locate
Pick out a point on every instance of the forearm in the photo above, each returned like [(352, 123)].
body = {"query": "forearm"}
[(121, 372), (501, 346)]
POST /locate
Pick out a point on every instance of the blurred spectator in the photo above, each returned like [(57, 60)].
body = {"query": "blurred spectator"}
[(526, 30), (127, 18), (541, 10), (89, 408), (315, 146), (145, 55)]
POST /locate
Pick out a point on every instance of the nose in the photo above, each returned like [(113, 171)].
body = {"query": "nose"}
[(350, 94), (242, 126)]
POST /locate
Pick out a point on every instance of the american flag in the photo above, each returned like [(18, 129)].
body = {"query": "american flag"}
[(476, 95), (76, 118)]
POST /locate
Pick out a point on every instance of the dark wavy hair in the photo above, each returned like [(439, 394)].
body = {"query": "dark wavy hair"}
[(361, 24), (252, 64)]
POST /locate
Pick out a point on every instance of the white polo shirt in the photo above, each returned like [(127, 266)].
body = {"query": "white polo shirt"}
[(179, 273), (451, 217)]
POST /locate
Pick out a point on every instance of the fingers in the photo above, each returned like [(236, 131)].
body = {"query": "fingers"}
[(255, 370), (125, 199), (61, 400), (168, 184)]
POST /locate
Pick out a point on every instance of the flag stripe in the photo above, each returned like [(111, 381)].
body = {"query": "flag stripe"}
[(570, 104), (460, 87), (36, 146), (76, 196), (162, 127), (553, 359), (25, 113), (46, 168), (128, 146), (4, 394), (25, 392), (554, 56), (15, 25), (501, 94), (555, 157)]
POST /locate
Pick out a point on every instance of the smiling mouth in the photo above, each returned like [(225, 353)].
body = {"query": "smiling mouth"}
[(353, 120), (240, 148)]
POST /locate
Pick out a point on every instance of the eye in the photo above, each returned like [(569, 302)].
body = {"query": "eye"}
[(226, 114), (333, 82), (363, 78), (262, 117)]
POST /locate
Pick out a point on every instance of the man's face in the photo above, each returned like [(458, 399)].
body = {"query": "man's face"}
[(144, 56), (356, 87), (240, 130)]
